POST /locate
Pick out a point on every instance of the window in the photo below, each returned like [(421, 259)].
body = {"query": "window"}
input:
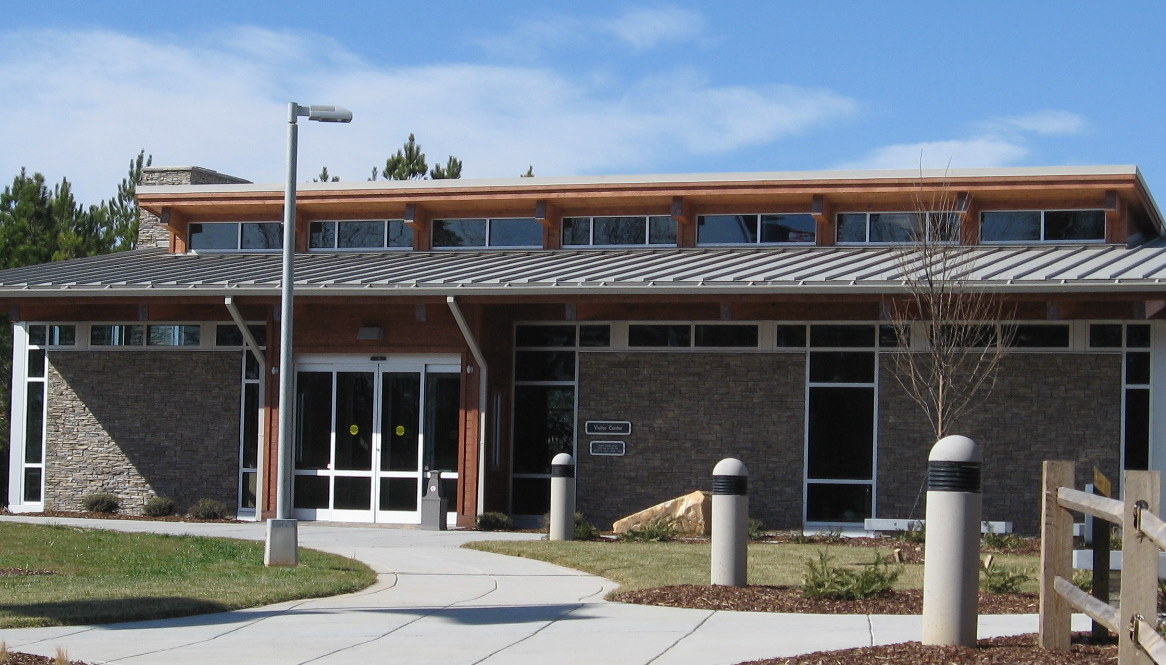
[(897, 227), (117, 335), (227, 236), (173, 335), (629, 230), (754, 229), (1042, 226), (686, 335), (493, 232), (361, 234)]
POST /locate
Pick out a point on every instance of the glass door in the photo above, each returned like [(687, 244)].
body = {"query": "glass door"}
[(368, 431)]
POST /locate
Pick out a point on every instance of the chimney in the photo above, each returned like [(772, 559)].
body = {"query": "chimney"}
[(151, 233)]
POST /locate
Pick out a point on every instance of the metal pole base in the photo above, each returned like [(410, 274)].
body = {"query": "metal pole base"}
[(282, 548)]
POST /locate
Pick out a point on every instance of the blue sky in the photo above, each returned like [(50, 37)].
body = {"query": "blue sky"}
[(581, 88)]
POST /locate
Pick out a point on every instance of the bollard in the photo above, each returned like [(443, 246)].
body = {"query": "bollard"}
[(562, 525), (730, 517), (952, 553), (434, 506)]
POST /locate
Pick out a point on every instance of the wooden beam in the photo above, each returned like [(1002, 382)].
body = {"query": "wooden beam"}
[(1056, 552), (823, 212), (682, 210), (1116, 227), (551, 217), (969, 213), (1139, 563), (417, 218)]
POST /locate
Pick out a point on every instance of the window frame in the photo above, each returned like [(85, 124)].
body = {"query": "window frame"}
[(647, 239), (238, 247), (385, 236), (954, 240), (489, 223), (757, 231)]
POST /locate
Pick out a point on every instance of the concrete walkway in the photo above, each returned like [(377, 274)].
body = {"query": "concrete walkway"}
[(436, 603)]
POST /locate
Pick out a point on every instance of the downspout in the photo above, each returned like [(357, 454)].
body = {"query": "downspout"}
[(476, 352), (253, 347)]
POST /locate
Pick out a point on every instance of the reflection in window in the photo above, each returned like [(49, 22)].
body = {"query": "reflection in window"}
[(897, 227), (500, 232), (751, 229), (236, 235), (625, 230), (1042, 225), (173, 335), (360, 234)]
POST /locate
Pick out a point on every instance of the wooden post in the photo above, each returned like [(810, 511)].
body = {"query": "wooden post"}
[(1056, 556), (1139, 566)]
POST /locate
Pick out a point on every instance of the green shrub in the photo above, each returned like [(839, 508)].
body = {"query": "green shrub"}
[(1002, 579), (756, 529), (584, 530), (1083, 580), (210, 509), (916, 532), (101, 502), (825, 580), (1001, 541), (159, 506), (660, 530), (494, 522)]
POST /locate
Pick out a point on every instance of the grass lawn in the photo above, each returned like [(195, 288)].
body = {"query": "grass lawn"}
[(106, 576), (638, 565)]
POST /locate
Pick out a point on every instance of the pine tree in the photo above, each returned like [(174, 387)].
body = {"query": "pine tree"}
[(409, 163)]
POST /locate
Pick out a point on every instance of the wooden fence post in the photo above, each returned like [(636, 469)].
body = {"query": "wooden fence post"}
[(1056, 556), (1139, 566)]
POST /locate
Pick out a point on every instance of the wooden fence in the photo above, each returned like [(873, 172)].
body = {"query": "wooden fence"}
[(1135, 618)]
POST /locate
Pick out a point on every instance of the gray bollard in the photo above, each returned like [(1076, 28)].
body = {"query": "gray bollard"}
[(730, 517), (952, 553), (562, 497)]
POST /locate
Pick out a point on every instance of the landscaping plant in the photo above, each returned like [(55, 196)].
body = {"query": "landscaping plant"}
[(825, 580), (101, 502), (494, 522), (210, 509), (159, 506), (1002, 579), (660, 530), (584, 530)]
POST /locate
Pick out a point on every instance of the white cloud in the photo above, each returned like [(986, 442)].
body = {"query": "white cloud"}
[(89, 100), (1047, 123), (985, 152), (1001, 141), (647, 28), (640, 29)]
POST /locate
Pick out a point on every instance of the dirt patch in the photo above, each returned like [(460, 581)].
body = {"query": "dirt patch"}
[(119, 516)]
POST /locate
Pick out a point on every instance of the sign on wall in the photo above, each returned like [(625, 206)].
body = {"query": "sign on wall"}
[(611, 448), (600, 427)]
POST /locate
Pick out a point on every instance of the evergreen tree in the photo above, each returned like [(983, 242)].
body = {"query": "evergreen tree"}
[(327, 177), (451, 171), (122, 210), (409, 163)]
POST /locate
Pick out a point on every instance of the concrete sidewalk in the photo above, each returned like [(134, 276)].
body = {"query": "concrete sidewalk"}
[(434, 602)]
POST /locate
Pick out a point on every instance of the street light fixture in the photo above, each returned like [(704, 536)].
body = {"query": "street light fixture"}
[(282, 539)]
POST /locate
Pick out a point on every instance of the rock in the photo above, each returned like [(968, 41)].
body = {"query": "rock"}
[(692, 512)]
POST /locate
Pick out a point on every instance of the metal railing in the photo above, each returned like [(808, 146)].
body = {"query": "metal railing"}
[(1143, 536)]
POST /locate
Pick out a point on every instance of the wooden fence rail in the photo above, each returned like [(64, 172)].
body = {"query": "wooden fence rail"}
[(1143, 537)]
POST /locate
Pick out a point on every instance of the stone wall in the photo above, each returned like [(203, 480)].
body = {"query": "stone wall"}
[(688, 411), (151, 232), (1045, 406), (142, 424)]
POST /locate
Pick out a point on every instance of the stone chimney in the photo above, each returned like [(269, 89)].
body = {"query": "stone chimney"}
[(151, 233)]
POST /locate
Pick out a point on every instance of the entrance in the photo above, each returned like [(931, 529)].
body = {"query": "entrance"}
[(368, 430)]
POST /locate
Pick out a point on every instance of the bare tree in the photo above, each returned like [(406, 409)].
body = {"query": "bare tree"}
[(964, 326)]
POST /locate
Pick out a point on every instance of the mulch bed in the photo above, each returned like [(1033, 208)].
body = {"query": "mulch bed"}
[(1016, 650), (761, 598)]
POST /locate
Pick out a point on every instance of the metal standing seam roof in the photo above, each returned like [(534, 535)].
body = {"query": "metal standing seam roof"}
[(729, 270)]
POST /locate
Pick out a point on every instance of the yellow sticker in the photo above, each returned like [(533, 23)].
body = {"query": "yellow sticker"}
[(353, 430), (400, 431)]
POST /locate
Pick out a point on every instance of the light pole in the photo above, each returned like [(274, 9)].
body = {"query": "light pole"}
[(282, 540)]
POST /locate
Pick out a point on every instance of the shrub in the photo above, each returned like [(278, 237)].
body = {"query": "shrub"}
[(101, 502), (660, 530), (916, 532), (584, 530), (495, 522), (159, 506), (1083, 580), (756, 529), (209, 509), (825, 580), (1002, 579), (1001, 541)]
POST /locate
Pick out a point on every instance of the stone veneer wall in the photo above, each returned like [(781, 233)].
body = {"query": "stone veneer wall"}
[(142, 424), (1045, 406), (688, 411), (151, 233)]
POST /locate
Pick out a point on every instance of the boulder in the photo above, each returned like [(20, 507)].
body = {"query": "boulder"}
[(692, 512)]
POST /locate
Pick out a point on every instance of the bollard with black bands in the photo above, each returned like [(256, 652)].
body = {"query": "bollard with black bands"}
[(562, 525), (730, 518)]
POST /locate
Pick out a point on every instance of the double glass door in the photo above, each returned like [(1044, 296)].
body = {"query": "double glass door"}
[(366, 433)]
